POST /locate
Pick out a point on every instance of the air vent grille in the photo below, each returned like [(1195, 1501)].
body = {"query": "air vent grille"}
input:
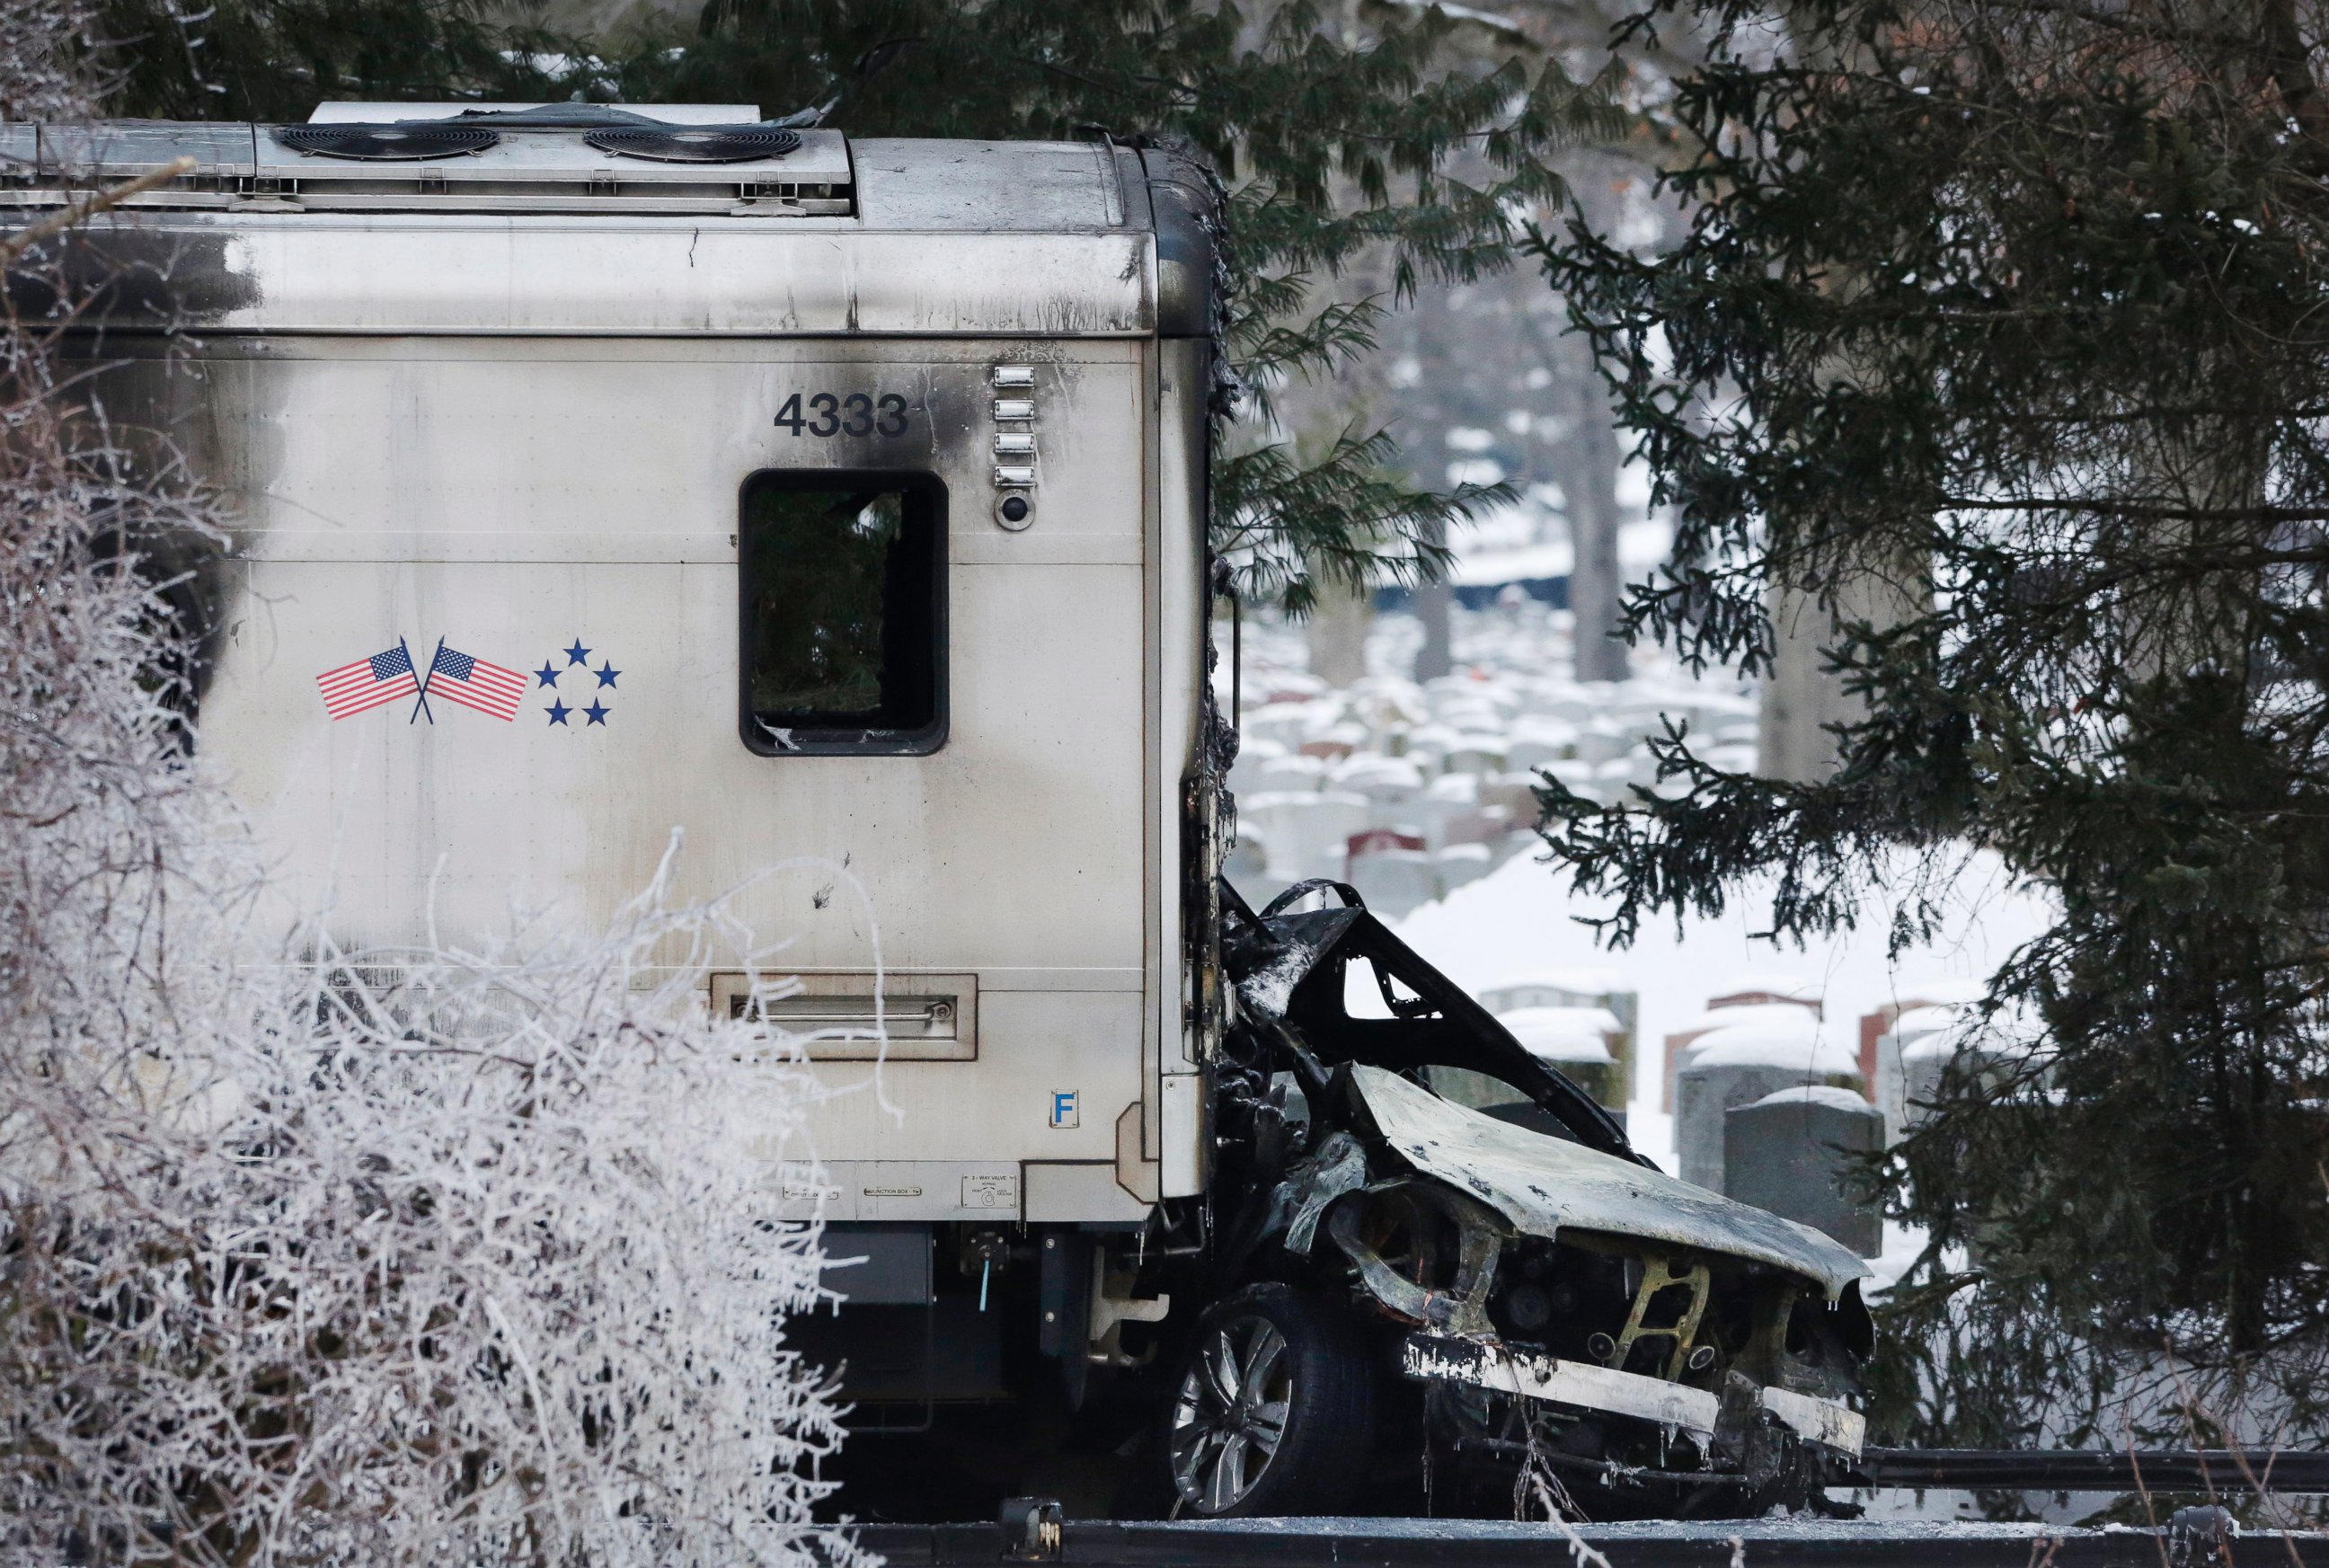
[(374, 162), (687, 145), (387, 143)]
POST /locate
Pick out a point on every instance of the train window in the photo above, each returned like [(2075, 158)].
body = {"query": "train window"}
[(843, 601)]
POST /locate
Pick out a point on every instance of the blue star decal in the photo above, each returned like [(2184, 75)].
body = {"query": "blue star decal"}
[(607, 672), (595, 712), (578, 654), (558, 711), (547, 675)]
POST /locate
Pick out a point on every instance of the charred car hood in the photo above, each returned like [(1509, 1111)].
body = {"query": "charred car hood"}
[(1545, 1184)]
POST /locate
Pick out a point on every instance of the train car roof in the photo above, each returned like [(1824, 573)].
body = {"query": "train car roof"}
[(634, 219)]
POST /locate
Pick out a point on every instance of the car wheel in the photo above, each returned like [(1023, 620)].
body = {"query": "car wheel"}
[(1273, 1409)]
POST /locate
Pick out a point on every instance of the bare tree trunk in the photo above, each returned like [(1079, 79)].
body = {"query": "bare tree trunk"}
[(1802, 700), (1434, 609), (1595, 579), (1799, 700), (1338, 634)]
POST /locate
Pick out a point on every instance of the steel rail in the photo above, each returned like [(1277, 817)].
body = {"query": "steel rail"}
[(1475, 1544), (1034, 1530), (2217, 1472)]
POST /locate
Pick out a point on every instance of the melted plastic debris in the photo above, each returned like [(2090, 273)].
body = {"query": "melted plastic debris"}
[(1268, 989)]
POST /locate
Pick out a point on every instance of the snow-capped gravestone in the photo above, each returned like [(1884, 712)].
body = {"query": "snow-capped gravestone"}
[(1797, 1152), (1576, 1042), (1391, 874), (1738, 1066), (1898, 1051), (1304, 832), (1997, 1051), (1461, 863), (1593, 990), (1722, 1022)]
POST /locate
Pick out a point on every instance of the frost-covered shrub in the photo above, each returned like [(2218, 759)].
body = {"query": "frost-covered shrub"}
[(40, 41), (421, 1259), (321, 1257)]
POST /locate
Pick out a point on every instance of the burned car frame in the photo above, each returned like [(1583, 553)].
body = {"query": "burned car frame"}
[(1404, 1191)]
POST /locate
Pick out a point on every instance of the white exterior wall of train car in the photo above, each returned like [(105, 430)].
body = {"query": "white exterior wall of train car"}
[(1178, 676), (513, 493)]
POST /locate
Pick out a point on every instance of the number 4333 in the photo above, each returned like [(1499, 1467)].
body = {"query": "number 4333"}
[(857, 414)]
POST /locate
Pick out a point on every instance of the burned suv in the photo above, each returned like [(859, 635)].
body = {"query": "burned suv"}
[(1438, 1233)]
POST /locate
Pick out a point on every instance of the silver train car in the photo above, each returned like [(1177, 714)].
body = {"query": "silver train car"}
[(841, 502), (836, 505)]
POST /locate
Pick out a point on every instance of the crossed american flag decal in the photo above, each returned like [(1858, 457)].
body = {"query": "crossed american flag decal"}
[(452, 674)]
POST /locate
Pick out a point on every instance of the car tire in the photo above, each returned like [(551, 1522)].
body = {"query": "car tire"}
[(1271, 1410)]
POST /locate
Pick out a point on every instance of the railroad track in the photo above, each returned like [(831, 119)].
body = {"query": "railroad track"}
[(1032, 1530), (1475, 1544), (2207, 1470)]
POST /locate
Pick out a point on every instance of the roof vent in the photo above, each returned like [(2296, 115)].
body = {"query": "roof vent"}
[(697, 145), (396, 143)]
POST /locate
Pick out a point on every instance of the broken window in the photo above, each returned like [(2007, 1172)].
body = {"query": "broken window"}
[(843, 601)]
